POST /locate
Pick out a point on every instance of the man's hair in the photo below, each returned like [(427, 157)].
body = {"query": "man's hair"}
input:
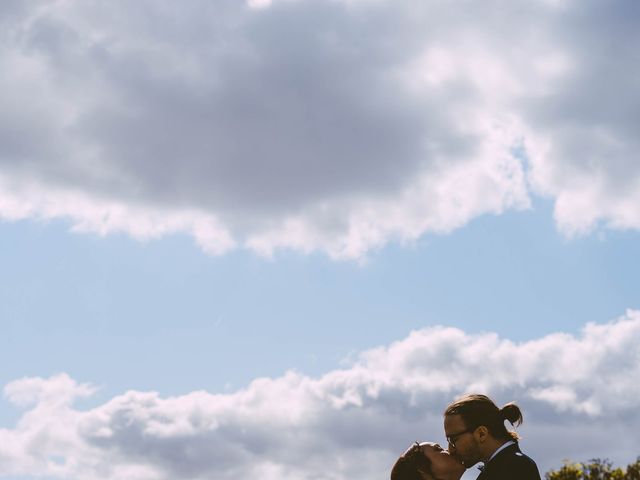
[(409, 465), (478, 410)]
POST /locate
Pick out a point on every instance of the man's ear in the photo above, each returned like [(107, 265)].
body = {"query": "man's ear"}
[(481, 433)]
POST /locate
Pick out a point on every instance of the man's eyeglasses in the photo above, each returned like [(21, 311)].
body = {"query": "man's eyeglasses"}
[(452, 439)]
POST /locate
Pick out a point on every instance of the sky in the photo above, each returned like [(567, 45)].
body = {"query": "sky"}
[(275, 238)]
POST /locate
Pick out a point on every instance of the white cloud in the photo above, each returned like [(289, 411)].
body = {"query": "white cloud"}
[(578, 394), (90, 213), (335, 126), (259, 3)]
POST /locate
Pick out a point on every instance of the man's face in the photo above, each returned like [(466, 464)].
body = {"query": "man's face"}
[(466, 447)]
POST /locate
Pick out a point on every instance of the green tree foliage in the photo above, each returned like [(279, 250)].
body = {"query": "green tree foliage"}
[(595, 469)]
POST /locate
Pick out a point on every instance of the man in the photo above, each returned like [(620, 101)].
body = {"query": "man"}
[(475, 430)]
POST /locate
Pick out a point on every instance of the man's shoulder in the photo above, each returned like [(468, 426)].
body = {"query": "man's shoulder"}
[(516, 457), (512, 460)]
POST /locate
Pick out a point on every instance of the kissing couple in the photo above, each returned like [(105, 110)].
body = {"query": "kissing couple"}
[(476, 432)]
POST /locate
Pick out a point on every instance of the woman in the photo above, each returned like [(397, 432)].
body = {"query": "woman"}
[(427, 461)]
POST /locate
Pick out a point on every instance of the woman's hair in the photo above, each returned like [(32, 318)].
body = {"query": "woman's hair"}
[(478, 410), (409, 465)]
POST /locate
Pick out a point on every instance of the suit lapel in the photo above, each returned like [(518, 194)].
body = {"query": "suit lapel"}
[(482, 474), (495, 463)]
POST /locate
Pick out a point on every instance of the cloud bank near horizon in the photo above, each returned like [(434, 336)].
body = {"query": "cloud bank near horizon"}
[(317, 125), (578, 394)]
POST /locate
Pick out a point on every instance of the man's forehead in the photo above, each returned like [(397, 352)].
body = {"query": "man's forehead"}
[(453, 423)]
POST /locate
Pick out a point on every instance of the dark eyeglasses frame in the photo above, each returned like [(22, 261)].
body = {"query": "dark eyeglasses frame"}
[(452, 439)]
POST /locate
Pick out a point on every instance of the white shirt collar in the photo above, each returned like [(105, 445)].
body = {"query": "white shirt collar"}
[(502, 447)]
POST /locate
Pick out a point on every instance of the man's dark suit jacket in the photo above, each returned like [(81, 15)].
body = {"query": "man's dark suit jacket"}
[(510, 464)]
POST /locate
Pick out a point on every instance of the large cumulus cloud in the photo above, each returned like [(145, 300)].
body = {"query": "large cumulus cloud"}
[(579, 395), (311, 124)]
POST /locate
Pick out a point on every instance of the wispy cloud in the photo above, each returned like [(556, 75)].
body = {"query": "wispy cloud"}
[(335, 126), (578, 394)]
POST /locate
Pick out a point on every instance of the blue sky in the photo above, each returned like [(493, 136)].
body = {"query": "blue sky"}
[(275, 238), (165, 316)]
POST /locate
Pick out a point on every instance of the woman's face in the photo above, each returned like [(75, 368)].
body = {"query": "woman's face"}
[(443, 465)]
